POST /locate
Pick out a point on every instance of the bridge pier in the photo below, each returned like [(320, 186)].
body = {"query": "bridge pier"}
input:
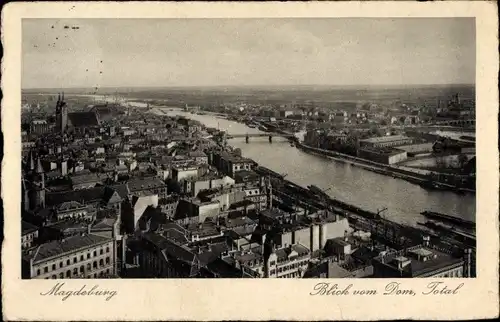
[(270, 139)]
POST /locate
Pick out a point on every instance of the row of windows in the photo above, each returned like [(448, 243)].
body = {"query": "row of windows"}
[(302, 262), (94, 265), (75, 260), (29, 237), (394, 143), (71, 215), (291, 259), (27, 244), (255, 262), (155, 190), (242, 167), (62, 275), (455, 273), (292, 275), (291, 266)]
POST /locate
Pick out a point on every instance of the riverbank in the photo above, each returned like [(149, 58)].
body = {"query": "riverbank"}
[(416, 176)]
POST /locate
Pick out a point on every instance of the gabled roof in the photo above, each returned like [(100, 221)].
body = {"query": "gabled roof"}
[(102, 109), (184, 209), (104, 224), (144, 183), (111, 196), (197, 154), (69, 225), (170, 249), (83, 195), (222, 269), (83, 119), (212, 253), (60, 247), (27, 228), (68, 205)]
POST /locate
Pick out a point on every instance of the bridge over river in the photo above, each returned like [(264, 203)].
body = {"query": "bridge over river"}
[(269, 135)]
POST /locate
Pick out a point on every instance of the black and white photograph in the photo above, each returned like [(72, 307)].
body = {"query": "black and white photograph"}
[(248, 148), (250, 161)]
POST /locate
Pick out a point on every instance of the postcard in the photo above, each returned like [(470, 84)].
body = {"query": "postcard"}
[(250, 161)]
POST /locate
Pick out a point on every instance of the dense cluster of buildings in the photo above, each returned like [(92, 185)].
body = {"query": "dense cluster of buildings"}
[(351, 113), (108, 194), (389, 149)]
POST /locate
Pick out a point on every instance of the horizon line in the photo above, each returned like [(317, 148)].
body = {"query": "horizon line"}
[(254, 85)]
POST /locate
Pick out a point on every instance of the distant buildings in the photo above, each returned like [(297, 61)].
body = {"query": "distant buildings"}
[(386, 141), (40, 127), (383, 155)]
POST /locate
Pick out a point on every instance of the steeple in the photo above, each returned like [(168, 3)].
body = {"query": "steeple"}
[(25, 196)]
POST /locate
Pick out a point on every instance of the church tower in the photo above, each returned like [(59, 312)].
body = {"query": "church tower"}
[(61, 114)]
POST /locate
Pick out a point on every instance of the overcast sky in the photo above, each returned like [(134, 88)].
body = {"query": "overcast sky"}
[(211, 52)]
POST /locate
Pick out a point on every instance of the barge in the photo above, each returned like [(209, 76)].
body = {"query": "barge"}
[(468, 239), (450, 219)]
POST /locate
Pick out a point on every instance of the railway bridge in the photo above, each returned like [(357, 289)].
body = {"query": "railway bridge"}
[(269, 135)]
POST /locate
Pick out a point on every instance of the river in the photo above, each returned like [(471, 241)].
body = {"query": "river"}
[(404, 201)]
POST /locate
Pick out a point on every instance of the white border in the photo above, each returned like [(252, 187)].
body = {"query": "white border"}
[(253, 299)]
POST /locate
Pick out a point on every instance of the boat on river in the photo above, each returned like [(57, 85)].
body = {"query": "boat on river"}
[(450, 219), (469, 238)]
